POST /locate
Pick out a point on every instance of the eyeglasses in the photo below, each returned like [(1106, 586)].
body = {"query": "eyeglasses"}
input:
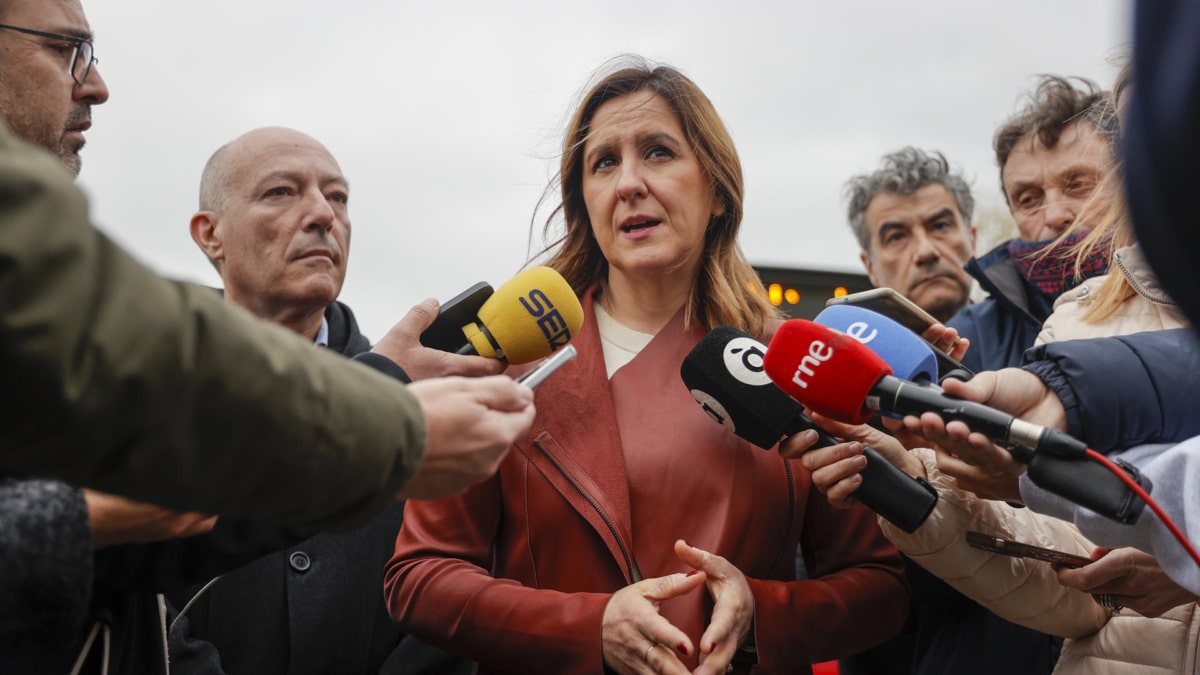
[(82, 57)]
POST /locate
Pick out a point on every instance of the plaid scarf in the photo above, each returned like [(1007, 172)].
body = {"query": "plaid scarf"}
[(1054, 274)]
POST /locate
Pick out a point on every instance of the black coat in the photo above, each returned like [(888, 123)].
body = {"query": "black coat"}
[(313, 607)]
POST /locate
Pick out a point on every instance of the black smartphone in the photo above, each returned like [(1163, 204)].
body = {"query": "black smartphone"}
[(1018, 550), (446, 332), (890, 303)]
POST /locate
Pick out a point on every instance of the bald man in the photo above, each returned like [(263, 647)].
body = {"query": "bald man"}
[(274, 220)]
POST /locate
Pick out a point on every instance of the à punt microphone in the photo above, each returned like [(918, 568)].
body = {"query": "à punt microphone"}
[(725, 374)]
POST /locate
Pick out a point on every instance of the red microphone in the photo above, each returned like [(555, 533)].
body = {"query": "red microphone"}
[(839, 377), (826, 370)]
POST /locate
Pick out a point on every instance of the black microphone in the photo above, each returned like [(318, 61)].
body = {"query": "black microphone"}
[(908, 398), (725, 374), (1091, 484)]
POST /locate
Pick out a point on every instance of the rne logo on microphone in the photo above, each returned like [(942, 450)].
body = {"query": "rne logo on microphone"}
[(549, 320), (818, 353), (744, 361), (858, 331)]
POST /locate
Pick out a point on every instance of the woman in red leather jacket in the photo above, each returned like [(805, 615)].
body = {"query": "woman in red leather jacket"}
[(628, 531)]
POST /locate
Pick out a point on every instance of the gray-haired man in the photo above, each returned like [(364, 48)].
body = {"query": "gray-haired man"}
[(912, 217)]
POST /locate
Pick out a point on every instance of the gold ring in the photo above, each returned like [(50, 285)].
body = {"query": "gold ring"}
[(649, 649)]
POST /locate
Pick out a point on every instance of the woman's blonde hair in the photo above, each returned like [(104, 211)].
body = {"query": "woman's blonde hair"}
[(728, 290), (1113, 231)]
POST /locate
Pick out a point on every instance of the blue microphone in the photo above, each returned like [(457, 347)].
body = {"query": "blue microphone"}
[(909, 356)]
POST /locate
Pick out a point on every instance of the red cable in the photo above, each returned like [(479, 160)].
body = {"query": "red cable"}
[(1145, 496)]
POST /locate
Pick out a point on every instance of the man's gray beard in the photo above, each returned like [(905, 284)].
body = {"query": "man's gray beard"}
[(80, 113), (25, 128)]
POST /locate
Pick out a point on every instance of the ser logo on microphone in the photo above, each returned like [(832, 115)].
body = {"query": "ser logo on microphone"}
[(744, 361), (818, 353), (549, 320)]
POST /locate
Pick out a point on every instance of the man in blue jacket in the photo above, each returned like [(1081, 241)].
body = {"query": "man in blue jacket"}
[(912, 218), (1051, 155)]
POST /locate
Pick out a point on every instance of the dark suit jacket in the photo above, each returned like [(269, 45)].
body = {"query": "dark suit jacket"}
[(313, 607)]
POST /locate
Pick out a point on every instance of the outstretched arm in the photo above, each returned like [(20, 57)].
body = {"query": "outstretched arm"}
[(161, 391)]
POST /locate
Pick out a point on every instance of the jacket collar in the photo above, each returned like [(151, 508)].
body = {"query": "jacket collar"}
[(1132, 264), (998, 276), (344, 336)]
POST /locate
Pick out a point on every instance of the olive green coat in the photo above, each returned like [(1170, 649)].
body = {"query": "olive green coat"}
[(115, 378)]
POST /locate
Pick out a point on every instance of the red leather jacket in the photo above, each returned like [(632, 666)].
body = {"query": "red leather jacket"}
[(516, 572)]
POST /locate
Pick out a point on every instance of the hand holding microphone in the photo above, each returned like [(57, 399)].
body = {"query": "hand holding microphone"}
[(981, 466), (834, 374), (838, 470), (976, 462), (839, 376), (1015, 391), (725, 374)]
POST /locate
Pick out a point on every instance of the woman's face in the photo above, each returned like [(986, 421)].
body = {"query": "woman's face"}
[(648, 199)]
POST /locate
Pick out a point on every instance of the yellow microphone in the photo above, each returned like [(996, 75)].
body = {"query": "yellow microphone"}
[(529, 317)]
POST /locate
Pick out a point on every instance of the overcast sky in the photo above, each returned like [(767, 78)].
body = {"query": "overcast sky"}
[(447, 116)]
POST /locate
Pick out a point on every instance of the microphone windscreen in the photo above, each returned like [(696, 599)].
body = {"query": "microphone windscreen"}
[(909, 356), (527, 318), (830, 372), (724, 373)]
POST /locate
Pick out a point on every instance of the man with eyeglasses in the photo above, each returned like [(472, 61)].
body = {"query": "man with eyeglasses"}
[(48, 84), (47, 90), (120, 379)]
